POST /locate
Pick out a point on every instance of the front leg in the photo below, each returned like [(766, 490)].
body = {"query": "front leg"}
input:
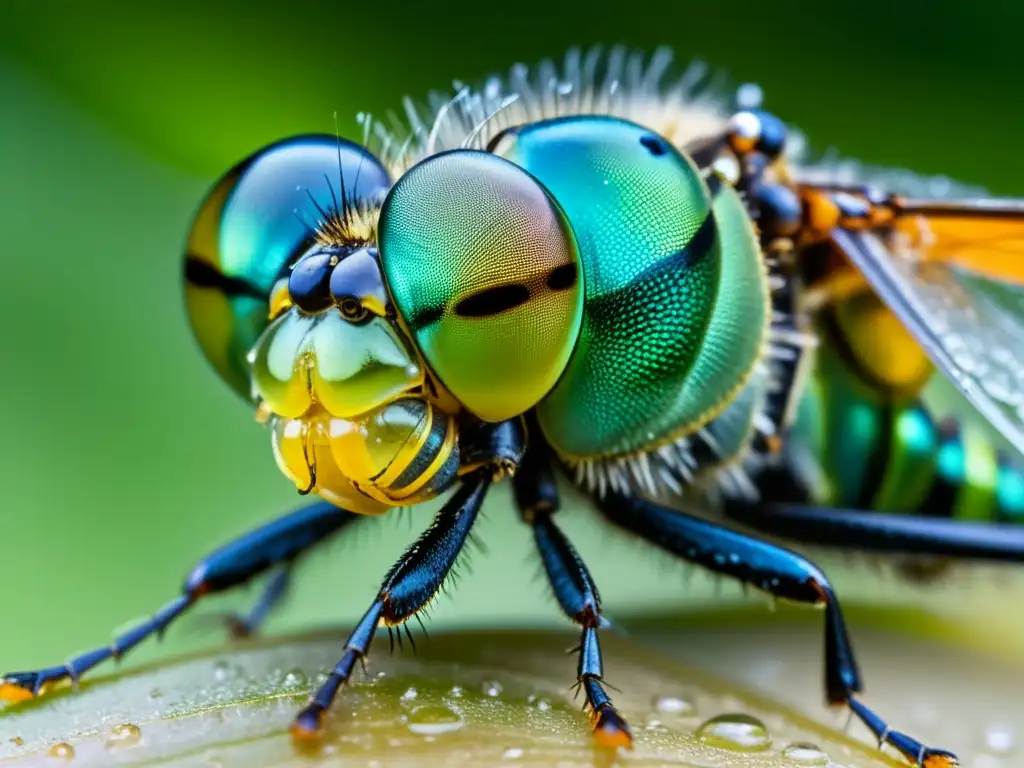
[(781, 573), (574, 588), (410, 584)]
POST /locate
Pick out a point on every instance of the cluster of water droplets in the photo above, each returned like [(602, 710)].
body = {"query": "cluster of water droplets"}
[(732, 731), (429, 714)]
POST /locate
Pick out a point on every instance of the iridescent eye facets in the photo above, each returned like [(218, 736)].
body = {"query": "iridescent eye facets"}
[(254, 222), (483, 266)]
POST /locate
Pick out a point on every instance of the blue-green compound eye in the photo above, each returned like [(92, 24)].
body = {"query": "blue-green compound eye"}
[(484, 269), (255, 220), (676, 300)]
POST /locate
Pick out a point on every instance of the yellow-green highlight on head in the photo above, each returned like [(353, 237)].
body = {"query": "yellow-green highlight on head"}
[(484, 268)]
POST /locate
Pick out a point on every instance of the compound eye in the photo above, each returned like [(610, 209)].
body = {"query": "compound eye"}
[(483, 266), (309, 283), (253, 223)]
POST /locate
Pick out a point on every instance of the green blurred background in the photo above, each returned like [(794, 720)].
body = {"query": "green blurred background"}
[(125, 458)]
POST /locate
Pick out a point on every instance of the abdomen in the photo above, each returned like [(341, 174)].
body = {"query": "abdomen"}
[(879, 447)]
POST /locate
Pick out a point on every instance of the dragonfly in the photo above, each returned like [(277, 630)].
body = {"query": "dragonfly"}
[(608, 272)]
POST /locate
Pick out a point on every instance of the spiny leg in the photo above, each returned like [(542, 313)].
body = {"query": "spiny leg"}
[(408, 587), (574, 588), (781, 573), (277, 543)]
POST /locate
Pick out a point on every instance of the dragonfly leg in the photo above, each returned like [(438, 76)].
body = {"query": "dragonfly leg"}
[(410, 584), (781, 573), (241, 625), (277, 543), (574, 588), (882, 532)]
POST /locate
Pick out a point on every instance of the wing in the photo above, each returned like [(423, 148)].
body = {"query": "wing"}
[(959, 289)]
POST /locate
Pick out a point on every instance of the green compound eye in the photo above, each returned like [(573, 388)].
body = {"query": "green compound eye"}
[(484, 268), (675, 301)]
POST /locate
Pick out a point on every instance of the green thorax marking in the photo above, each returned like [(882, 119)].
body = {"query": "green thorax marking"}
[(675, 298)]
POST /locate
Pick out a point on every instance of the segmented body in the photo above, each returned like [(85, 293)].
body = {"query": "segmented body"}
[(862, 444)]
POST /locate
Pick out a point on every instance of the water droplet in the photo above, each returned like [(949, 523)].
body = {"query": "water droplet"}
[(221, 671), (17, 741), (124, 734), (294, 678), (409, 695), (492, 688), (805, 754), (433, 720), (63, 749), (456, 692), (512, 753), (735, 731), (673, 705), (654, 725), (543, 705), (999, 740)]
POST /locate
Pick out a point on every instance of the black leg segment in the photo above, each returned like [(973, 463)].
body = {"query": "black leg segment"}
[(276, 544), (241, 625), (575, 590), (408, 587), (880, 532), (781, 573)]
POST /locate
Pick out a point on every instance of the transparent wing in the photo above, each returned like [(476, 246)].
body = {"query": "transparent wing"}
[(960, 292)]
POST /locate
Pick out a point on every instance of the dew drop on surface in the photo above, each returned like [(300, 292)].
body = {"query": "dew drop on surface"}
[(655, 725), (805, 754), (673, 705), (434, 720), (124, 734), (737, 732), (295, 678), (513, 753), (456, 692), (492, 688), (63, 749), (409, 695), (221, 671)]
